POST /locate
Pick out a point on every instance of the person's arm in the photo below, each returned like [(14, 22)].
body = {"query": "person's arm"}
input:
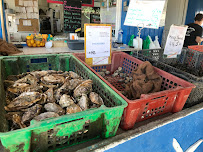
[(199, 39)]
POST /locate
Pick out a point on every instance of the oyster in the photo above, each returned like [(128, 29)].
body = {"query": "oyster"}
[(83, 102), (74, 75), (8, 83), (73, 108), (84, 88), (66, 101), (29, 79), (73, 83), (31, 113), (46, 115), (52, 107), (23, 101), (9, 115), (50, 95), (16, 77), (68, 86), (17, 120), (43, 99), (53, 79), (39, 74), (96, 99)]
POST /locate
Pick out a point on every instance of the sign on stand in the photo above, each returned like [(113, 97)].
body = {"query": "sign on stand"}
[(98, 44), (175, 41), (147, 12)]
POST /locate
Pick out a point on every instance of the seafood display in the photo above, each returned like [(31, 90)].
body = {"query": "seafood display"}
[(143, 80), (40, 95)]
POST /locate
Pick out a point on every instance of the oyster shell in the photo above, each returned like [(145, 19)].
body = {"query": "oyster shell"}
[(52, 107), (73, 108), (29, 79), (17, 120), (73, 83), (74, 75), (66, 101), (46, 115), (8, 83), (9, 115), (39, 74), (23, 101), (31, 113), (96, 99), (50, 95), (84, 88), (83, 102), (53, 79), (68, 86)]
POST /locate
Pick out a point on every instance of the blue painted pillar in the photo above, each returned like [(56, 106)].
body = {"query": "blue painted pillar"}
[(4, 16)]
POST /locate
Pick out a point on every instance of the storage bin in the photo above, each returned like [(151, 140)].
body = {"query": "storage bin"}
[(188, 57), (172, 97), (63, 131)]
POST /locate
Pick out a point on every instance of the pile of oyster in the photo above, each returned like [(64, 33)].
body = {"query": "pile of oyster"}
[(40, 95)]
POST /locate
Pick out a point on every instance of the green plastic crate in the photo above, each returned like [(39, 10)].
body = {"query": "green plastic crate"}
[(58, 133)]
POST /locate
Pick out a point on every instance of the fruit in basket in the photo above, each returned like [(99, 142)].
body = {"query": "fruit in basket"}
[(34, 44), (39, 95), (28, 37), (29, 44)]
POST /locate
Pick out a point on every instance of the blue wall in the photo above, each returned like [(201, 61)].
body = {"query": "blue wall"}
[(194, 6), (186, 131), (128, 30)]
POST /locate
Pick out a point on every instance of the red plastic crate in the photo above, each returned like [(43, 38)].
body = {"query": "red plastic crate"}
[(172, 98), (196, 47)]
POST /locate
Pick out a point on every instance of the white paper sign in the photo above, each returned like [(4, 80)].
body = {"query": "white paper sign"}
[(21, 2), (101, 60), (98, 41), (29, 9), (24, 22), (175, 40), (144, 12), (108, 16)]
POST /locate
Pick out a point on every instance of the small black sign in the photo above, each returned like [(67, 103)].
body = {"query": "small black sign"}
[(72, 15), (87, 2)]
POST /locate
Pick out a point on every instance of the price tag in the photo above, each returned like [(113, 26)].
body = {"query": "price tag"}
[(98, 43), (175, 41)]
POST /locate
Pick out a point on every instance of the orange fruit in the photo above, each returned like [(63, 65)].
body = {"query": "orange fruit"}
[(28, 41), (32, 42), (29, 44), (34, 45), (41, 44), (38, 42)]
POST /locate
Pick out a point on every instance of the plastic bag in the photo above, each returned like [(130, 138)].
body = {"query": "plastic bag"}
[(156, 43), (152, 45)]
